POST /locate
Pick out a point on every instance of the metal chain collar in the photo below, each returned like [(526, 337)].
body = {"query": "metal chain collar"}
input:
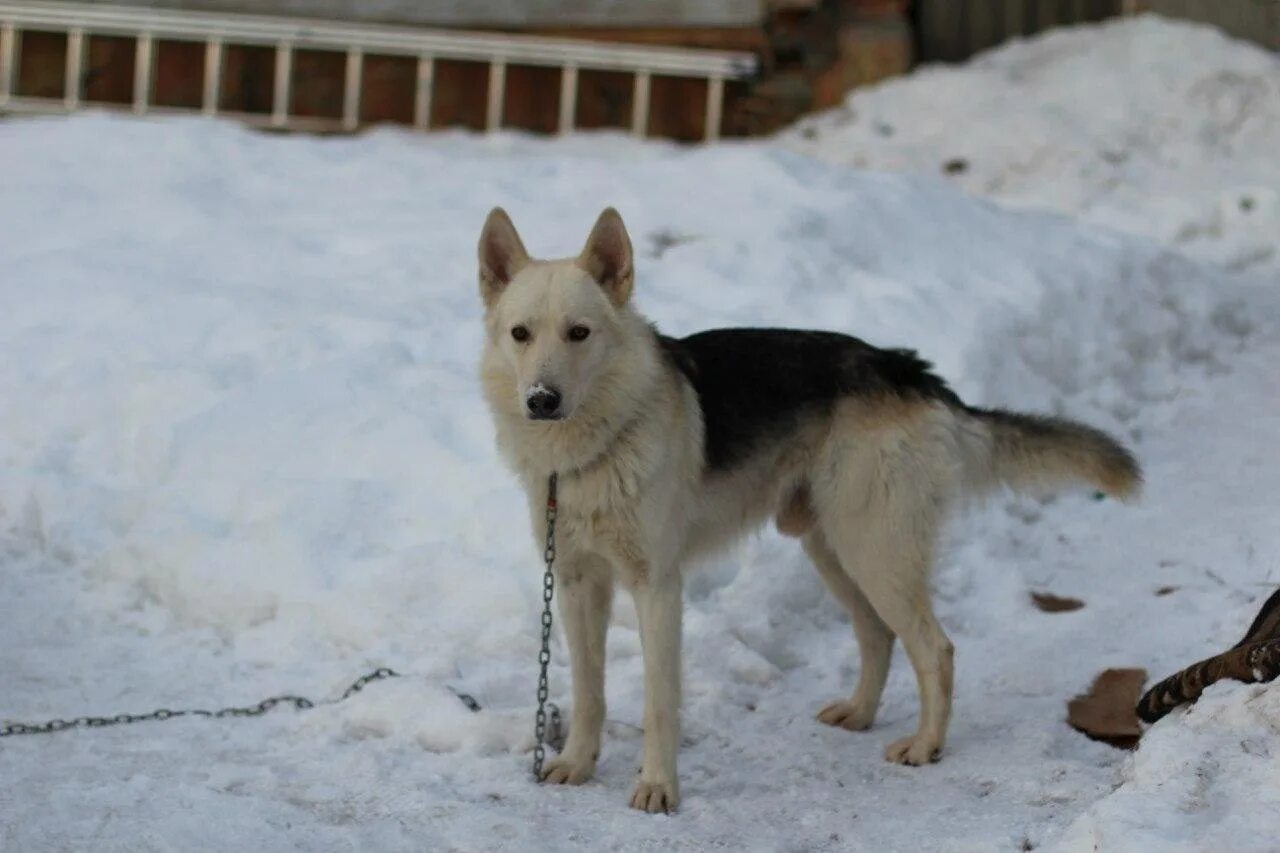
[(544, 655)]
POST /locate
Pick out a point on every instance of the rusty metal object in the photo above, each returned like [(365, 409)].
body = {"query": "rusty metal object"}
[(1255, 659)]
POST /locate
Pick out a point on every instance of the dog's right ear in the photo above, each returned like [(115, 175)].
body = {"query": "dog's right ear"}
[(502, 255)]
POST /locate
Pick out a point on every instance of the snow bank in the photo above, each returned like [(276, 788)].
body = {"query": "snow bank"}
[(1150, 126), (1207, 777)]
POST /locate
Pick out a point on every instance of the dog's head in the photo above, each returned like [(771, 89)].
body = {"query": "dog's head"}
[(554, 322)]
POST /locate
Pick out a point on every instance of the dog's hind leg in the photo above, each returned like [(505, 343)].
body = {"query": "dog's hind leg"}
[(585, 598), (885, 540), (875, 640)]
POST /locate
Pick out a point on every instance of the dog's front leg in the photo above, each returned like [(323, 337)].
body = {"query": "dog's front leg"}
[(586, 598), (658, 606)]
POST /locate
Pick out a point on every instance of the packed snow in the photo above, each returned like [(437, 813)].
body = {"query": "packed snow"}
[(244, 453)]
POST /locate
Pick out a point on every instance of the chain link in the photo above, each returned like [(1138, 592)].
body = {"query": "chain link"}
[(544, 654), (299, 703)]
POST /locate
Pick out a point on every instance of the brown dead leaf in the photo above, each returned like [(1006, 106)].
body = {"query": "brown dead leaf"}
[(1050, 603), (1106, 712)]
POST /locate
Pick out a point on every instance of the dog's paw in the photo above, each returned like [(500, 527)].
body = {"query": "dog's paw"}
[(846, 715), (655, 797), (565, 769), (915, 750)]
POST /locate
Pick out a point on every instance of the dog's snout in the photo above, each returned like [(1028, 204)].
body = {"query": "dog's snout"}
[(543, 403)]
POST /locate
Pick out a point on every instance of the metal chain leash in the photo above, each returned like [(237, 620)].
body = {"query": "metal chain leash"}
[(547, 729), (544, 655), (299, 703)]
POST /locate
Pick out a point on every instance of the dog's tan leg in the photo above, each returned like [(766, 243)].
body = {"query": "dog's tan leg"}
[(892, 571), (932, 656), (883, 524), (658, 606), (875, 640), (586, 598)]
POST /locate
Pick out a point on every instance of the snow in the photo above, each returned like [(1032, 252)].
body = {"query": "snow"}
[(1146, 126), (243, 454), (1210, 772)]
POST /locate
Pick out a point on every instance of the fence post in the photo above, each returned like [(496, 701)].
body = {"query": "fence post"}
[(212, 76), (351, 93), (715, 108), (497, 93), (640, 105), (280, 97), (144, 51), (75, 61), (568, 98), (8, 50), (422, 92)]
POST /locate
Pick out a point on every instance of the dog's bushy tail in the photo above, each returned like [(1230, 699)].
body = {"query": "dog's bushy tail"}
[(1036, 452)]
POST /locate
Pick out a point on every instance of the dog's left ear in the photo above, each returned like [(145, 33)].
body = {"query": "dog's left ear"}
[(607, 257)]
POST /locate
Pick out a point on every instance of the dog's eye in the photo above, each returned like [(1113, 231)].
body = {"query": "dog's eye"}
[(578, 333), (520, 333)]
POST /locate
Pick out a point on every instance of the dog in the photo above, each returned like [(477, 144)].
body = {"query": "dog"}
[(667, 450)]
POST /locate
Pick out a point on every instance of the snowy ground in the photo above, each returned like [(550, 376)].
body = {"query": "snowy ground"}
[(242, 453)]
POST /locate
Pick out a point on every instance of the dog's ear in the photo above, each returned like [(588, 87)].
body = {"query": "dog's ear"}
[(607, 256), (502, 255)]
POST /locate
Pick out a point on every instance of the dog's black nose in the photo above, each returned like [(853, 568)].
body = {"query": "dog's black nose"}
[(544, 404)]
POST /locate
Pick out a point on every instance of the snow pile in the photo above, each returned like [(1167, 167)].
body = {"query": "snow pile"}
[(244, 453), (1208, 778), (1150, 126)]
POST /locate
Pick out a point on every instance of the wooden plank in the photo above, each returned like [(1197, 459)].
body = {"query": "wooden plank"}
[(747, 39), (568, 98), (143, 58), (110, 66), (496, 95), (532, 99), (212, 76), (943, 35), (640, 104), (1015, 18), (280, 96), (1256, 21), (422, 92), (351, 92), (982, 26), (75, 62), (604, 99)]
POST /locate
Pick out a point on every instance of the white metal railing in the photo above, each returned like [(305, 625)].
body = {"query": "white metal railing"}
[(78, 21)]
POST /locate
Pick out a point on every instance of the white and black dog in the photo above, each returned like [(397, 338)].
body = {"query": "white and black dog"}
[(667, 449)]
